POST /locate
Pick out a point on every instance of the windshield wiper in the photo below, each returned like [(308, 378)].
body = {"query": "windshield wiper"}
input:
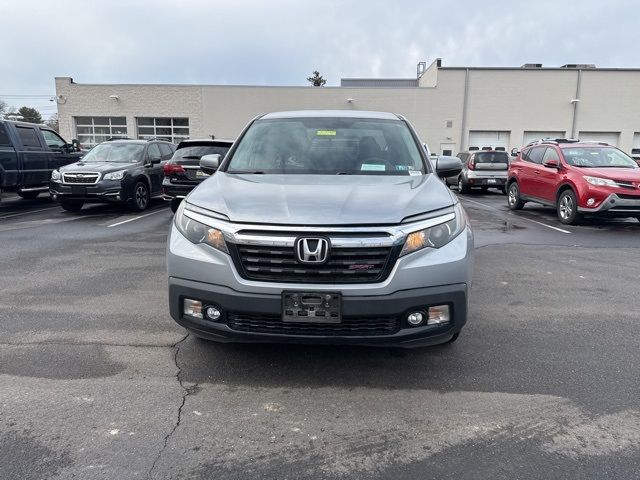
[(344, 173), (252, 172)]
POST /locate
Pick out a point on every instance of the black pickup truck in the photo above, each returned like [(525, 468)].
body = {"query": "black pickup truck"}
[(28, 155)]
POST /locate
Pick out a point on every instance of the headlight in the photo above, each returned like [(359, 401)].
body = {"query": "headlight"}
[(197, 232), (55, 175), (600, 182), (438, 235), (119, 175)]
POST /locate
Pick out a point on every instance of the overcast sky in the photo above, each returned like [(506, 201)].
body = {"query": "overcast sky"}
[(280, 42)]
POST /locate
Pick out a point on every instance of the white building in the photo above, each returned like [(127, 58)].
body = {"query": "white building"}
[(452, 108)]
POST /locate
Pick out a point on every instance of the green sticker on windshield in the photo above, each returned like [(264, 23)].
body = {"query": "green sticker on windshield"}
[(372, 167), (326, 133)]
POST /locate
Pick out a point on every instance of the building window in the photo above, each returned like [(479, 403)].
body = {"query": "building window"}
[(93, 130), (171, 129)]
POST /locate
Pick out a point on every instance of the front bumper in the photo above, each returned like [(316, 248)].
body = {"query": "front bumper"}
[(421, 279), (615, 206), (101, 192), (355, 308)]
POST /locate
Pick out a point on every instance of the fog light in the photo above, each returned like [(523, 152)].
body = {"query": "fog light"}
[(192, 308), (591, 202), (438, 315), (213, 313), (415, 319)]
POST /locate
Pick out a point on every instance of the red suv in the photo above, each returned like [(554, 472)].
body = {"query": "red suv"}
[(577, 178)]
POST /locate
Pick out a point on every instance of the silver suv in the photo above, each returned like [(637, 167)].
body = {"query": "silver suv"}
[(322, 227), (484, 169)]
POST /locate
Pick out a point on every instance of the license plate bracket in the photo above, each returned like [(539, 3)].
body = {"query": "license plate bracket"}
[(78, 190), (311, 307)]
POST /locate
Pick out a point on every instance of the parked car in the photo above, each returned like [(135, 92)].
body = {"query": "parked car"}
[(482, 169), (576, 178), (116, 171), (28, 155), (322, 227), (182, 173)]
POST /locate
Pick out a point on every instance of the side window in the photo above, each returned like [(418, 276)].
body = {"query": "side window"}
[(551, 154), (535, 155), (153, 151), (166, 150), (53, 140), (29, 138), (4, 138)]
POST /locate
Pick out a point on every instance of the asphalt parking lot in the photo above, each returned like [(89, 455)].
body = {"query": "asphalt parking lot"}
[(97, 381)]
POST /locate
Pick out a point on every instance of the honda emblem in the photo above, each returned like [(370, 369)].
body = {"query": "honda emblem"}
[(312, 249)]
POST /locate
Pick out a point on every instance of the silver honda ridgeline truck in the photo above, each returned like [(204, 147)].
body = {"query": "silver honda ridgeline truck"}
[(322, 227)]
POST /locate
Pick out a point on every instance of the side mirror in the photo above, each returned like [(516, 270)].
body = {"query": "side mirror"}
[(210, 163), (448, 166), (155, 160), (514, 152), (551, 164)]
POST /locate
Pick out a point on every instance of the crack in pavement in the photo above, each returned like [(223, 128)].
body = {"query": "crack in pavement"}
[(186, 392)]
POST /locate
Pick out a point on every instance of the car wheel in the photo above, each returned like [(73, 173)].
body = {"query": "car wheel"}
[(71, 206), (28, 195), (462, 188), (568, 208), (140, 200), (513, 197), (175, 203)]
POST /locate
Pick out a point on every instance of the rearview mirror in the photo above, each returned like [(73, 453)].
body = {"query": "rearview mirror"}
[(210, 163), (551, 163), (448, 166)]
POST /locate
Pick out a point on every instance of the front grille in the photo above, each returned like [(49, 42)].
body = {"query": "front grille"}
[(345, 265), (348, 327), (629, 197), (80, 178)]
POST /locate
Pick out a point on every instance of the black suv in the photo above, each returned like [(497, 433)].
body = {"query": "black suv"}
[(182, 174), (116, 171)]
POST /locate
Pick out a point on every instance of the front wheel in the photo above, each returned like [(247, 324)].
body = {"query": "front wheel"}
[(71, 206), (513, 197), (568, 208), (28, 195), (140, 200)]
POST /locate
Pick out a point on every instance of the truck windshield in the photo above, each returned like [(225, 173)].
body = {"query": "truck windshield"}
[(115, 153), (328, 146)]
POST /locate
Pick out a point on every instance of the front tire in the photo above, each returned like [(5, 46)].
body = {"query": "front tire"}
[(71, 206), (28, 195), (513, 198), (567, 208), (141, 198)]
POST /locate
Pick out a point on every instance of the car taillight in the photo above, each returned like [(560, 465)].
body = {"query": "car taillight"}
[(472, 164), (172, 169)]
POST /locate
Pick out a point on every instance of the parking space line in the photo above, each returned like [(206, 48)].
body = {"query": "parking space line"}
[(518, 216), (136, 218), (25, 213)]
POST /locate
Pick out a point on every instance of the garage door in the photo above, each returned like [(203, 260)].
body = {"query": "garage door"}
[(482, 138), (531, 136), (635, 150), (608, 137)]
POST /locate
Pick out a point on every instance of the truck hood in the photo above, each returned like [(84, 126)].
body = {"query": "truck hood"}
[(320, 199), (102, 167)]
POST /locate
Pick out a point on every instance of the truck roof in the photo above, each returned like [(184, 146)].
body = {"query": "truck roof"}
[(331, 113)]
